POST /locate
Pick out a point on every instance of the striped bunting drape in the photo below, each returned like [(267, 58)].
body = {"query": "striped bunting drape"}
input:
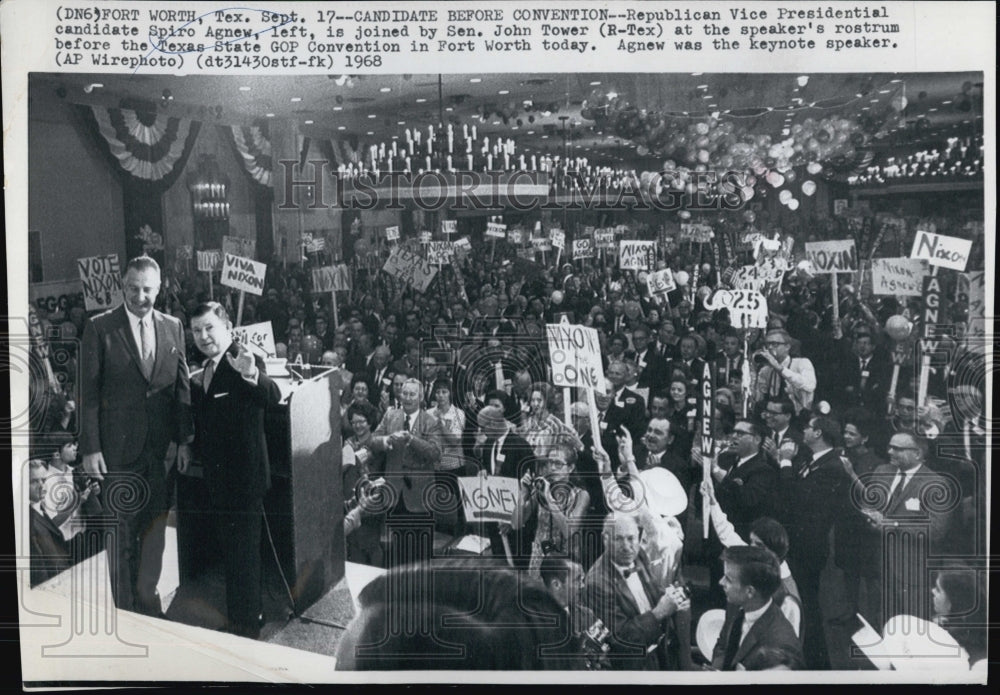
[(148, 146), (253, 144)]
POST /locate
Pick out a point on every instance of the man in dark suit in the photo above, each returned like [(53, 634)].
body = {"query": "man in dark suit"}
[(652, 368), (501, 451), (864, 375), (620, 591), (135, 400), (917, 504), (778, 414), (50, 554), (230, 397), (379, 374), (729, 365), (745, 480), (689, 363), (809, 483), (627, 406), (754, 622)]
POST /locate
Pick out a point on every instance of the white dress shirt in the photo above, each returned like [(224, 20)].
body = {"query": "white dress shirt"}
[(133, 322), (751, 617)]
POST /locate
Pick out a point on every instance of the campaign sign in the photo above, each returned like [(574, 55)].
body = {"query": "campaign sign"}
[(102, 281), (558, 238), (314, 244), (410, 268), (331, 278), (515, 236), (575, 353), (583, 248), (425, 237), (938, 249), (258, 338), (604, 238), (661, 282), (238, 246), (496, 230), (902, 277), (637, 255), (838, 256), (449, 226), (243, 274), (210, 260), (700, 233), (747, 308), (541, 244), (492, 498), (392, 233), (440, 252)]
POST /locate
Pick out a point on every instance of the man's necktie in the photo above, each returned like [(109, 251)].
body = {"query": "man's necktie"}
[(864, 377), (406, 423), (733, 643), (896, 493), (206, 379), (146, 342), (498, 372)]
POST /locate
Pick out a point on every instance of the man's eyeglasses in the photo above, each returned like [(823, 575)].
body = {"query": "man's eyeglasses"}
[(892, 447)]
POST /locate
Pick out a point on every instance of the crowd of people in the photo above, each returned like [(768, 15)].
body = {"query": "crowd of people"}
[(821, 453)]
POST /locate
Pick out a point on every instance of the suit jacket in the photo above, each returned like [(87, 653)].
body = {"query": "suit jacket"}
[(918, 503), (807, 506), (377, 386), (652, 369), (50, 554), (409, 469), (230, 438), (122, 411), (608, 596), (629, 411), (848, 388), (747, 492), (513, 458), (771, 629), (793, 433)]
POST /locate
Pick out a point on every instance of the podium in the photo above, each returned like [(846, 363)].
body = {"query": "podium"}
[(304, 508)]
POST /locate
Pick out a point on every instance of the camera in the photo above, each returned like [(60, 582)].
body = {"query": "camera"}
[(594, 646), (758, 359)]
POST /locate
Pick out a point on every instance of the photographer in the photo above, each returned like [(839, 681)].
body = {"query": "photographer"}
[(781, 374), (555, 502)]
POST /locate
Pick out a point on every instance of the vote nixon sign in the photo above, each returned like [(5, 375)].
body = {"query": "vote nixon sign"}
[(575, 353), (243, 274), (838, 256), (945, 251), (101, 277)]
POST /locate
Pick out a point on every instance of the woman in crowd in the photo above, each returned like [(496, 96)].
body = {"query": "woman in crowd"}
[(452, 462), (541, 428), (681, 415), (360, 467)]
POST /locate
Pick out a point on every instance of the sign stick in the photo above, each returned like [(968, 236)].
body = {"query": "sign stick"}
[(211, 287), (239, 310), (836, 301), (493, 248), (595, 430), (567, 406), (558, 256), (336, 319)]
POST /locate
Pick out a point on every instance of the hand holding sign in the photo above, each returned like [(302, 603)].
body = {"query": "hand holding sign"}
[(243, 362)]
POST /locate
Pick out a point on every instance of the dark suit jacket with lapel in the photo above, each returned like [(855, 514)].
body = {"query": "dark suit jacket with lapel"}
[(516, 453), (652, 369), (122, 411), (50, 554), (630, 411), (807, 506), (608, 596), (409, 469), (771, 629), (747, 492), (377, 386), (848, 387), (919, 503), (230, 439)]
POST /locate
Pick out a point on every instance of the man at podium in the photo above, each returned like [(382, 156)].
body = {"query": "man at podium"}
[(229, 399)]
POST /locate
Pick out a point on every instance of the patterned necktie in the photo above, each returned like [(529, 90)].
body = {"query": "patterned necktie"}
[(206, 379), (406, 423), (146, 342), (864, 366)]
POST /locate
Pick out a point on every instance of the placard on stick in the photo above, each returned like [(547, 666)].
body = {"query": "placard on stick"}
[(747, 308), (839, 256), (101, 278), (575, 353), (492, 498), (496, 230), (410, 268), (901, 277), (331, 278), (209, 261), (583, 248), (938, 249), (258, 338), (637, 255), (244, 274)]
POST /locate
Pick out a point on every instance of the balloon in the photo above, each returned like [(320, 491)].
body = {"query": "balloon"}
[(898, 327), (814, 168), (750, 215), (808, 187), (704, 291), (701, 128), (681, 278), (684, 215), (793, 204), (557, 297), (785, 196), (775, 179), (705, 269), (747, 192)]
